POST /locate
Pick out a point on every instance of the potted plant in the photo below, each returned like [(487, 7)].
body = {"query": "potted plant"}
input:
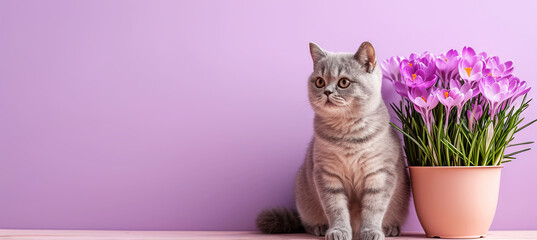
[(458, 115)]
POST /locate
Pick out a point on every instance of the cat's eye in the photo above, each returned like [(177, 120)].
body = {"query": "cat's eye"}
[(344, 83), (319, 83)]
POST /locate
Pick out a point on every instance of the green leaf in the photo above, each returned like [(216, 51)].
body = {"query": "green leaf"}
[(452, 148), (409, 137), (517, 152), (526, 125), (518, 144)]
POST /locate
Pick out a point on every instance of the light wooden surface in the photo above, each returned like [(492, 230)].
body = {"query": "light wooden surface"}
[(168, 235)]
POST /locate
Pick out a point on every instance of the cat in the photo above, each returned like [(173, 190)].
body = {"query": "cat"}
[(353, 182)]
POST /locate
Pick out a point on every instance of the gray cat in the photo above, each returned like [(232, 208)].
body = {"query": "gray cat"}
[(353, 182)]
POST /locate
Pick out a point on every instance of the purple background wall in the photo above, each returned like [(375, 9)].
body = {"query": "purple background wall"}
[(193, 115)]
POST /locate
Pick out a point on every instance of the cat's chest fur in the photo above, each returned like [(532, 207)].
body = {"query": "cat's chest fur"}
[(351, 161)]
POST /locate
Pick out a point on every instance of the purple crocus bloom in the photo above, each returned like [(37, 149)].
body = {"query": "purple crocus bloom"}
[(414, 56), (450, 98), (427, 56), (474, 115), (401, 88), (425, 61), (418, 73), (447, 66), (390, 69), (418, 78), (390, 72), (467, 90), (476, 112), (521, 88), (483, 55), (424, 101), (498, 69), (496, 91), (470, 65), (468, 52)]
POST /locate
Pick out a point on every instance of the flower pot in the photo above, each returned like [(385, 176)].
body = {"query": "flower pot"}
[(455, 202)]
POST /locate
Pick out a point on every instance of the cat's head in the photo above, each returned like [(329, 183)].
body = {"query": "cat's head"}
[(344, 84)]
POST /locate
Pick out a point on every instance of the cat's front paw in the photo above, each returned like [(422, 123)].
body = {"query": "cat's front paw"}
[(391, 231), (338, 234), (371, 234)]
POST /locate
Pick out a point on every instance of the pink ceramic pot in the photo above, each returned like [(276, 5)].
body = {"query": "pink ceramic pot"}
[(455, 202)]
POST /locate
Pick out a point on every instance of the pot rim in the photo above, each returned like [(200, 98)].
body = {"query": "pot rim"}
[(455, 167)]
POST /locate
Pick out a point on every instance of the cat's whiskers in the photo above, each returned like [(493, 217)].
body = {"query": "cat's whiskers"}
[(341, 102)]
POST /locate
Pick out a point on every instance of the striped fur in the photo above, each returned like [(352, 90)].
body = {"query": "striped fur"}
[(279, 220), (353, 181)]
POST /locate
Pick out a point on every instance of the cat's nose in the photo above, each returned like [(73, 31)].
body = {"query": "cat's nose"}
[(327, 93)]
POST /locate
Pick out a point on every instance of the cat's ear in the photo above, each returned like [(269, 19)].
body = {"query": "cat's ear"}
[(317, 53), (366, 56)]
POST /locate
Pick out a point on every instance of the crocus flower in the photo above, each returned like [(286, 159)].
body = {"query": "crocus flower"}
[(464, 93), (447, 66), (470, 65), (390, 72), (498, 69), (468, 90), (424, 101), (425, 61), (468, 52), (520, 88), (418, 78), (418, 73), (450, 98), (390, 69), (476, 112), (496, 91), (483, 55), (425, 56), (414, 56), (474, 115), (401, 88)]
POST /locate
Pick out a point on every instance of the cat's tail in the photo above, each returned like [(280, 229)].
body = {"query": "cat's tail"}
[(279, 220)]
